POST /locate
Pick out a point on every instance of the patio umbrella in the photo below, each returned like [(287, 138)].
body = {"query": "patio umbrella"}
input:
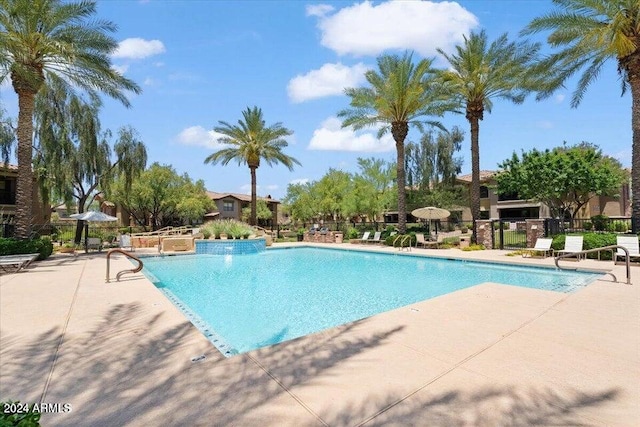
[(93, 216), (430, 213)]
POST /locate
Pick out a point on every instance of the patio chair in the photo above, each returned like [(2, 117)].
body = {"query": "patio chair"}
[(364, 238), (17, 262), (542, 245), (420, 240), (125, 242), (376, 237), (631, 244), (94, 243), (572, 245)]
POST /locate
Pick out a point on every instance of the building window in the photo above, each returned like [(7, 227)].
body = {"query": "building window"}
[(228, 206), (484, 192), (484, 214)]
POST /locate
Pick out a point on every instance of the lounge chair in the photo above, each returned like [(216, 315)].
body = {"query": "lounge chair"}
[(364, 238), (376, 237), (631, 244), (94, 243), (125, 242), (17, 262), (420, 240), (542, 245), (572, 245)]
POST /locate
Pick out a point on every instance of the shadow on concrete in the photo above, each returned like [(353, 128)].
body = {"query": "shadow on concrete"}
[(131, 370)]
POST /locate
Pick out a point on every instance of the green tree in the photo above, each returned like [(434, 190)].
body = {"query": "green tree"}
[(564, 178), (433, 161), (587, 34), (374, 190), (301, 201), (332, 193), (480, 71), (74, 161), (432, 166), (262, 211), (401, 94), (161, 197), (251, 141), (42, 39)]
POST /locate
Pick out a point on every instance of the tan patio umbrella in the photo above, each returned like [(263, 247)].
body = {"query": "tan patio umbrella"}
[(430, 213)]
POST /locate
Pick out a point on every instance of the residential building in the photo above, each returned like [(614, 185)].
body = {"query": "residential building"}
[(510, 206), (230, 205)]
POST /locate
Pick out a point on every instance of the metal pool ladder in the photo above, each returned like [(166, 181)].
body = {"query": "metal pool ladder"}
[(604, 248), (120, 273)]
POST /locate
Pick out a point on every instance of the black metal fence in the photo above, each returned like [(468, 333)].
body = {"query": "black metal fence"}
[(509, 234)]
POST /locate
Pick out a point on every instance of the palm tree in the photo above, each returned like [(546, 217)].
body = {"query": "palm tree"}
[(588, 33), (401, 95), (40, 39), (479, 72), (250, 142)]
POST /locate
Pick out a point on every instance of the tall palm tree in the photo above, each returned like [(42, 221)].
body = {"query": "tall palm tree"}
[(44, 38), (588, 33), (478, 72), (401, 94), (250, 142)]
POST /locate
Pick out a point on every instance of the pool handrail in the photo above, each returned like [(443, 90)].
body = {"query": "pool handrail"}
[(604, 248), (120, 273)]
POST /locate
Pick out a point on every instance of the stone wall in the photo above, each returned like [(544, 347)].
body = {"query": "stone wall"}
[(484, 233), (535, 230), (320, 237)]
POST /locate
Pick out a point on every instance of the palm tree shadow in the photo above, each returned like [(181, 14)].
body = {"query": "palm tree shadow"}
[(131, 370)]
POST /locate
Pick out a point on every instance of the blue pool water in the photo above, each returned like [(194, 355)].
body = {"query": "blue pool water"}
[(244, 302)]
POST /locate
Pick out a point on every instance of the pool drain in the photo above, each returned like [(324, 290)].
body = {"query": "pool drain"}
[(198, 358)]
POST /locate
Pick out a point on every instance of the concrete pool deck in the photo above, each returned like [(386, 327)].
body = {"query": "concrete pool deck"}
[(121, 354)]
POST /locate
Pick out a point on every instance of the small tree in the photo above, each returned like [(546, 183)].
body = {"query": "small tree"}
[(262, 211), (565, 178)]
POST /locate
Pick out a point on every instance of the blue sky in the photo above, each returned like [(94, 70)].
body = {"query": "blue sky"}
[(199, 62)]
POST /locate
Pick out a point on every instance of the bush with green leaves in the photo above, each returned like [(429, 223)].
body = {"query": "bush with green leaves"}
[(473, 247), (230, 227), (41, 245), (599, 222), (27, 418), (590, 241), (352, 233)]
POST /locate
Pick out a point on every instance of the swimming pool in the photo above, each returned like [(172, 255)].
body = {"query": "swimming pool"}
[(244, 302)]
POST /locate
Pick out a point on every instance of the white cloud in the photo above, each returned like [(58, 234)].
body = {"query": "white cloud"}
[(200, 137), (137, 48), (299, 181), (331, 136), (319, 9), (423, 26), (149, 82), (120, 68), (330, 79), (559, 98), (545, 124)]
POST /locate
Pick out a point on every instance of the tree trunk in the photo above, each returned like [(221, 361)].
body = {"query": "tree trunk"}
[(24, 187), (399, 130), (634, 82), (475, 172), (254, 197)]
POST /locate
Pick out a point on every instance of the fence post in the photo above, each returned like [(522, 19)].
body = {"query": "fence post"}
[(484, 233), (536, 228), (501, 234)]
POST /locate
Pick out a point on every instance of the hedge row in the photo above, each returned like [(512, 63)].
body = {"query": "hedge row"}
[(590, 241), (42, 245)]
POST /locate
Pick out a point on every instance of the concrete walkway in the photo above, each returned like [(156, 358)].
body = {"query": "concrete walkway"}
[(121, 354)]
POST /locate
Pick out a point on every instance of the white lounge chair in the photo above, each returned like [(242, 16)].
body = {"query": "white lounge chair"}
[(17, 262), (542, 245), (376, 237), (631, 244), (572, 245), (94, 243), (125, 242), (363, 239)]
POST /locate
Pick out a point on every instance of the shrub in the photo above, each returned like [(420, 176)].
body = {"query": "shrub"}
[(41, 245), (473, 247), (587, 225), (590, 241), (206, 233), (599, 222), (21, 417), (451, 241), (352, 233)]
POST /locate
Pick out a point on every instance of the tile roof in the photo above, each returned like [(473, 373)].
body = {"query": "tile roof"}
[(484, 176), (243, 197)]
